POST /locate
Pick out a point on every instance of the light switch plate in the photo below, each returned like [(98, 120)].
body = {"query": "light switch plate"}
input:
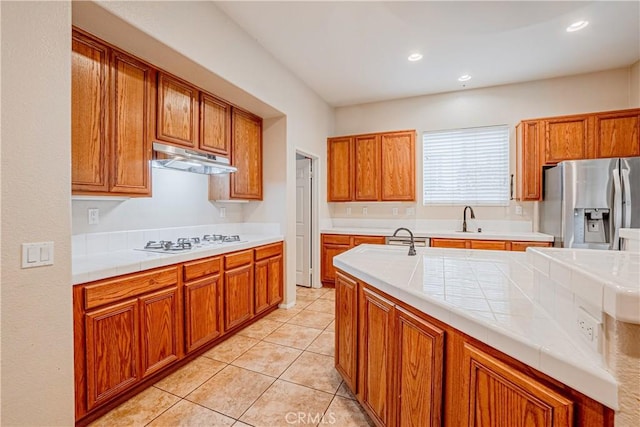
[(37, 254)]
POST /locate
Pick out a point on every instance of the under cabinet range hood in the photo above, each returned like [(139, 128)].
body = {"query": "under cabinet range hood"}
[(170, 157)]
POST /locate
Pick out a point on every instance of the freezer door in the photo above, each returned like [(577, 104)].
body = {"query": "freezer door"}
[(630, 177)]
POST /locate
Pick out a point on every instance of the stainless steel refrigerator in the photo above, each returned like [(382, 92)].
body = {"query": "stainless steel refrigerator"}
[(586, 202)]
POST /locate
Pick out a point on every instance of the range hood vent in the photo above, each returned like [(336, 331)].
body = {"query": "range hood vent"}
[(170, 157)]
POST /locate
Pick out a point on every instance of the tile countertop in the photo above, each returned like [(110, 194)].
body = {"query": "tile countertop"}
[(488, 295), (87, 268), (445, 234)]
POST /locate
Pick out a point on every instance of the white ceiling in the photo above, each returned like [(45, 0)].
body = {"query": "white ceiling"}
[(356, 52)]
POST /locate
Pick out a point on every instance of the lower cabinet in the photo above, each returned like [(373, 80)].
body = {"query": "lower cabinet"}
[(335, 244), (160, 317), (496, 245), (268, 277), (203, 320), (238, 288), (407, 369)]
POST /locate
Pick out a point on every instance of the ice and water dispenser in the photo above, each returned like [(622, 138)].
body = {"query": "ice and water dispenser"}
[(591, 225)]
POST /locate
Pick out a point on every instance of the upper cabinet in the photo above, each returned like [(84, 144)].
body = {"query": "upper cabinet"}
[(547, 141), (371, 167), (246, 155), (215, 125), (177, 112), (112, 119)]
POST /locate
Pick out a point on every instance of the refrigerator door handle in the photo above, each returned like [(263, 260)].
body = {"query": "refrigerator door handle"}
[(617, 210), (626, 192)]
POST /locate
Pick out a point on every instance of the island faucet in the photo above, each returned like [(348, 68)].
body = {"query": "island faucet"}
[(412, 247), (464, 217)]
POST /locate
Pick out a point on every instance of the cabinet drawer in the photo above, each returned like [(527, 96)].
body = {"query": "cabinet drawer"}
[(130, 286), (196, 269), (237, 259), (268, 251), (372, 240), (336, 239), (449, 243), (522, 246), (496, 245)]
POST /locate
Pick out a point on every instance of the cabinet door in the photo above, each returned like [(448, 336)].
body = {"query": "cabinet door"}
[(89, 115), (495, 245), (566, 139), (346, 352), (246, 155), (522, 246), (159, 330), (372, 240), (275, 280), (261, 280), (328, 274), (177, 112), (617, 134), (499, 395), (339, 164), (133, 87), (376, 349), (528, 167), (419, 368), (203, 319), (215, 125), (113, 359), (238, 296), (398, 157), (366, 154)]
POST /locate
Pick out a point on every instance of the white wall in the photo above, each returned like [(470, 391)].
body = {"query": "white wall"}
[(179, 199), (507, 104), (37, 334), (220, 57), (634, 85)]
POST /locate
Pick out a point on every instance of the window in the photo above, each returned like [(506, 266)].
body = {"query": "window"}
[(466, 166)]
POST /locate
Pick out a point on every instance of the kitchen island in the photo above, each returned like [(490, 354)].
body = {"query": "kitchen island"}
[(510, 314)]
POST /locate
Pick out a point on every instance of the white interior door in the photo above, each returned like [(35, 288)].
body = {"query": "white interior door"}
[(303, 222)]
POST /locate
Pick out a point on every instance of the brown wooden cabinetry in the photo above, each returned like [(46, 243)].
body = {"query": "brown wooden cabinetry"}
[(335, 244), (215, 125), (113, 119), (371, 167), (347, 329), (238, 288), (246, 155), (376, 360), (177, 112), (496, 245), (159, 330), (268, 277), (547, 141), (498, 394)]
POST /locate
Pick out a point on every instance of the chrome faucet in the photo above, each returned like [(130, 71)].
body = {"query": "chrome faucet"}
[(412, 247), (464, 217)]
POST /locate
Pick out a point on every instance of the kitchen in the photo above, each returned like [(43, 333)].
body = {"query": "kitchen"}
[(36, 113)]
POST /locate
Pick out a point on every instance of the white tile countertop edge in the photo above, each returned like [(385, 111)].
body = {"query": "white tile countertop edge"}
[(88, 268), (630, 233), (445, 234), (547, 348)]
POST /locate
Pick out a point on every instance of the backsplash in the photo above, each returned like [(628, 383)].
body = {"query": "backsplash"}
[(432, 224), (179, 199), (96, 243)]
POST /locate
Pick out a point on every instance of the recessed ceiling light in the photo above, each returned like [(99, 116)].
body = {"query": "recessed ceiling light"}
[(464, 78), (577, 26), (415, 57)]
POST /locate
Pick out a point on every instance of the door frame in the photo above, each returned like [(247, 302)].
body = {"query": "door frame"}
[(315, 230)]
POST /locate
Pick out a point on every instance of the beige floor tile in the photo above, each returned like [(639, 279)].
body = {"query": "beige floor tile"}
[(188, 414), (324, 344), (323, 306), (286, 404), (330, 295), (302, 302), (345, 413), (343, 391), (260, 329), (314, 370), (331, 327), (293, 336), (230, 349), (310, 293), (191, 376), (139, 410), (231, 391), (312, 319), (282, 314), (241, 424), (267, 358)]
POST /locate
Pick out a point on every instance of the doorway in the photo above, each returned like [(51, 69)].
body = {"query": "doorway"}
[(304, 220)]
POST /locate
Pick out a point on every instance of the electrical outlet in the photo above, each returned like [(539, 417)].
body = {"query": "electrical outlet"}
[(589, 328), (223, 212), (364, 211), (93, 215), (348, 211), (411, 211), (518, 210), (395, 211)]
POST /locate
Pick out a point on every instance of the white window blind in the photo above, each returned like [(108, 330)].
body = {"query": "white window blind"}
[(466, 166)]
